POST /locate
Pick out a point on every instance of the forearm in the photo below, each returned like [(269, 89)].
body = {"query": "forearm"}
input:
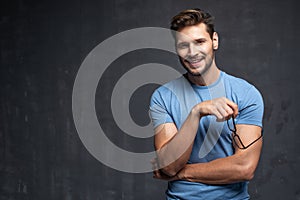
[(174, 155), (238, 167), (220, 171)]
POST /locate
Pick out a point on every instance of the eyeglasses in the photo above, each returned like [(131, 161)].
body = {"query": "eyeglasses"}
[(236, 138)]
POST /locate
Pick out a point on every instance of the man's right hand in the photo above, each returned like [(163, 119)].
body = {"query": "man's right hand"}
[(222, 108)]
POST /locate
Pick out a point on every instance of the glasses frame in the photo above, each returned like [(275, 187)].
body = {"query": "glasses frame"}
[(235, 135)]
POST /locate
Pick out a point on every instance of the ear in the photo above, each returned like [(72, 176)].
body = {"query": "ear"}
[(215, 40)]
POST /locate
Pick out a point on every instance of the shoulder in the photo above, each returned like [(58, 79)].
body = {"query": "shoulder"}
[(169, 87), (241, 91), (239, 86), (248, 98), (237, 82)]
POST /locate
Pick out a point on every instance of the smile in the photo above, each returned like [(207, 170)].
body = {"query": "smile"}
[(194, 62)]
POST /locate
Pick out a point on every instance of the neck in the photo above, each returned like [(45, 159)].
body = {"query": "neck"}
[(208, 78)]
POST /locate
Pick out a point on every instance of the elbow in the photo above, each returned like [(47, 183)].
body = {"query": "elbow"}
[(169, 170), (247, 172), (172, 169), (246, 168), (248, 176)]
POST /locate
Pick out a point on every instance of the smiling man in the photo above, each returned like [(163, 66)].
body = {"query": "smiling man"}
[(208, 124)]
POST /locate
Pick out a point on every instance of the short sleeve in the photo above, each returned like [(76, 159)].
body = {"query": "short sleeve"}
[(251, 108), (158, 110)]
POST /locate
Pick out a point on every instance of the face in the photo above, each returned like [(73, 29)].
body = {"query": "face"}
[(196, 49)]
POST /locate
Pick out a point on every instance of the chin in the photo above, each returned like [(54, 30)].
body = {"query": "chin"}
[(193, 72)]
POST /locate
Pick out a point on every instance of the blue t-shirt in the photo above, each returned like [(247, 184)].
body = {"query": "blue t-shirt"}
[(173, 101)]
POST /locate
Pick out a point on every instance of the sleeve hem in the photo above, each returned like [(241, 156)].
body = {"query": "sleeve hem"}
[(251, 122)]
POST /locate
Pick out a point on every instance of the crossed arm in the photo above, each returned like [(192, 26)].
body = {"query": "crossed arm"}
[(174, 148)]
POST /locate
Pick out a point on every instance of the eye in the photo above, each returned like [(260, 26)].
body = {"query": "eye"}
[(182, 45), (199, 42)]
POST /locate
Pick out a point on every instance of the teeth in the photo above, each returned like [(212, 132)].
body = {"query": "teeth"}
[(194, 61)]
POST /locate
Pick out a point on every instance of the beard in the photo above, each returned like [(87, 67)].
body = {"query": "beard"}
[(184, 62), (188, 69)]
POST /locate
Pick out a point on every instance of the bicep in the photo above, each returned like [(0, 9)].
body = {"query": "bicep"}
[(248, 134), (163, 134)]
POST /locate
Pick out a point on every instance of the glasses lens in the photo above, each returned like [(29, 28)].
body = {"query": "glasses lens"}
[(230, 125), (237, 141)]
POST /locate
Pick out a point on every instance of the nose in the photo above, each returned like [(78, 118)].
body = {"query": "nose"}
[(192, 49)]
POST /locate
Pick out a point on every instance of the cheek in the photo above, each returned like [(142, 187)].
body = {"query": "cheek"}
[(182, 53)]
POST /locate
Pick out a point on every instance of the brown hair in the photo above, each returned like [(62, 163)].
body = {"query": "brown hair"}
[(192, 17)]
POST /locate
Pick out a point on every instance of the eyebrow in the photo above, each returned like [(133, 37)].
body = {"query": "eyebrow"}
[(201, 40), (196, 40)]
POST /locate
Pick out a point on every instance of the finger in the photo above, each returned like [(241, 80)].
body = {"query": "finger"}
[(233, 106), (156, 174), (214, 111), (218, 115), (154, 166), (154, 163), (229, 111), (225, 111)]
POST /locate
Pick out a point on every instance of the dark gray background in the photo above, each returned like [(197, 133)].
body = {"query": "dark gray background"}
[(43, 44)]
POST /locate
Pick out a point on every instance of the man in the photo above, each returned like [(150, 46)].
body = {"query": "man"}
[(208, 124)]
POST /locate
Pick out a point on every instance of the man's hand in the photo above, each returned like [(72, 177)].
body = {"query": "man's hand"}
[(222, 108)]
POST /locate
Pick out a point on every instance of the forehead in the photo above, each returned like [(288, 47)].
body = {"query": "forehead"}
[(191, 33)]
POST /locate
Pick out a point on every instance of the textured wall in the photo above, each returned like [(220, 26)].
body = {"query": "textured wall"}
[(43, 44)]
